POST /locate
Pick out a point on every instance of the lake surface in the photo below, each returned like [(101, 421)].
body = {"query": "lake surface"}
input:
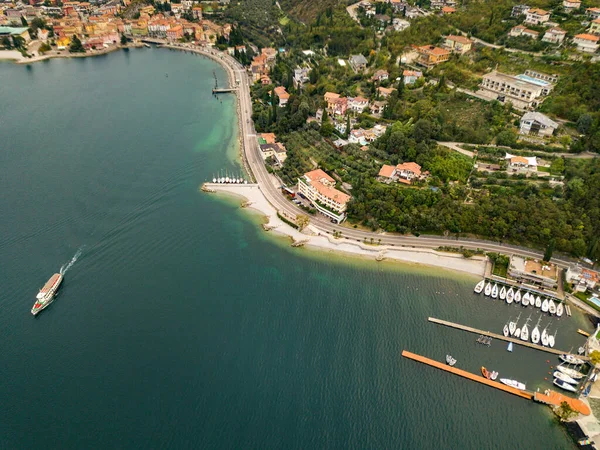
[(182, 324)]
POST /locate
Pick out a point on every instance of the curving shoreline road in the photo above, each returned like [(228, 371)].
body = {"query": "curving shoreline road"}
[(253, 160)]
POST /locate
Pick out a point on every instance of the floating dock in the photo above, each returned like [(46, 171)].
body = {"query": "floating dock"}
[(583, 333), (503, 338), (549, 397), (471, 376)]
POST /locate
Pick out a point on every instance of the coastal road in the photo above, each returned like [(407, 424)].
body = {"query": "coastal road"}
[(272, 192), (285, 207)]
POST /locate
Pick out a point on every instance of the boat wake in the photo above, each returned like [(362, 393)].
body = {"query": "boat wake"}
[(70, 264)]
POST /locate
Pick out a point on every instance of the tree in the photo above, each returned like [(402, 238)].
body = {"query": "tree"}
[(302, 221), (123, 39), (347, 125), (565, 412), (549, 250), (507, 138), (6, 42), (595, 357), (24, 22), (76, 45)]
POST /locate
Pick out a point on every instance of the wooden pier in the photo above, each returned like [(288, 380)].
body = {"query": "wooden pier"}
[(223, 90), (502, 337), (471, 376), (549, 397)]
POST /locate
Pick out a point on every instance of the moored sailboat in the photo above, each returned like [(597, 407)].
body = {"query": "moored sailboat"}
[(488, 289), (525, 299), (535, 334), (545, 305), (513, 383), (545, 336), (565, 386), (510, 295), (538, 302), (495, 291), (503, 293), (571, 372), (566, 357), (479, 287), (552, 339), (559, 310), (525, 330), (551, 307), (564, 377), (518, 296), (512, 326)]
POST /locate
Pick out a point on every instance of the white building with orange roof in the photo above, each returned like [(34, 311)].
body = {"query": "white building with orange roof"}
[(595, 27), (554, 35), (282, 95), (571, 5), (587, 43), (403, 173), (357, 104), (458, 44), (581, 278), (536, 16), (319, 188), (594, 13), (521, 162)]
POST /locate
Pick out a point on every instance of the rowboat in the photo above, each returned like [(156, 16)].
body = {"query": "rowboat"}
[(450, 360), (494, 375), (485, 372)]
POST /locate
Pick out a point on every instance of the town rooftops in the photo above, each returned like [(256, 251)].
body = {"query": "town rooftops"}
[(330, 96), (587, 37), (541, 118)]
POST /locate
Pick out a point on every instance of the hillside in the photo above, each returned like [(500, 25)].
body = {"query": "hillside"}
[(307, 10)]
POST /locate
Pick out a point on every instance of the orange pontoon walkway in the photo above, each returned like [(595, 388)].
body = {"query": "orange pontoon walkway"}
[(555, 398), (465, 374)]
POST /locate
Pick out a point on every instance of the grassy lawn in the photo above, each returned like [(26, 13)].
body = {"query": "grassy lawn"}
[(543, 169), (500, 270), (284, 21)]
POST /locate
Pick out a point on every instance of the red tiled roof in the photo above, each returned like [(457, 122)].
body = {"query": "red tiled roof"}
[(318, 174), (587, 37), (387, 171), (410, 166)]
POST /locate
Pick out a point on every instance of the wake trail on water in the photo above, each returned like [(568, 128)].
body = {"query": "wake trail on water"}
[(74, 259)]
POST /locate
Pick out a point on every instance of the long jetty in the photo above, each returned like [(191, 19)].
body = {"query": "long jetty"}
[(548, 397), (502, 337)]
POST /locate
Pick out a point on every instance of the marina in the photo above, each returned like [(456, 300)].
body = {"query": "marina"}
[(503, 338)]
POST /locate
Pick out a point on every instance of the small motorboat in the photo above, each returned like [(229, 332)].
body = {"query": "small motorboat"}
[(566, 386), (538, 302), (488, 289), (551, 307), (450, 360), (479, 287), (513, 383), (580, 350), (545, 305), (525, 299), (485, 373), (576, 375), (518, 296), (564, 377), (559, 310), (510, 347), (571, 359), (503, 293), (494, 375), (495, 291), (510, 296)]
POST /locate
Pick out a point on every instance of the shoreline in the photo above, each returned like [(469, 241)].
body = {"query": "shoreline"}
[(311, 238), (16, 57)]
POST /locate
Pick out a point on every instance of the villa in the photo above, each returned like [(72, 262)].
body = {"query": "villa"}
[(538, 124), (403, 173), (458, 44), (521, 163), (581, 278), (282, 95), (554, 35), (536, 16), (430, 55), (587, 43)]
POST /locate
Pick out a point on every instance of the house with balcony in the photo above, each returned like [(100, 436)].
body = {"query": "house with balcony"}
[(581, 278), (430, 55), (521, 30), (458, 44), (595, 27), (357, 104), (593, 13), (536, 16), (571, 5), (554, 35), (380, 75), (521, 163), (537, 124), (300, 77), (587, 43), (358, 62), (411, 76), (282, 95), (319, 188), (519, 10), (402, 173)]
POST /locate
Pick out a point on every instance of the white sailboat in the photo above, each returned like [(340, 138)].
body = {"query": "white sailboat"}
[(538, 302), (571, 372), (518, 296), (551, 307), (564, 377), (525, 330), (559, 310), (513, 383), (565, 386), (488, 289), (568, 358), (506, 329), (525, 299), (512, 326), (545, 336), (535, 334), (479, 287), (495, 291), (545, 305), (552, 339), (503, 293), (518, 333), (510, 296)]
